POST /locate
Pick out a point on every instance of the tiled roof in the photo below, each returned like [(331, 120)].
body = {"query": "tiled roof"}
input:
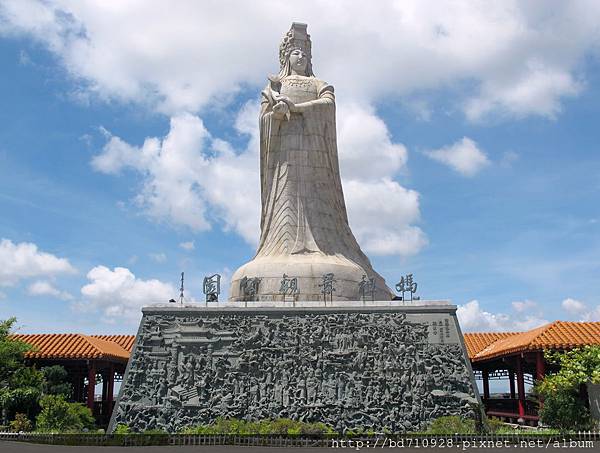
[(475, 342), (71, 346), (556, 335), (125, 341)]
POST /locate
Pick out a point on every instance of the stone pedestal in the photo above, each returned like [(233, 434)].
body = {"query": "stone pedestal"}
[(308, 271), (371, 365)]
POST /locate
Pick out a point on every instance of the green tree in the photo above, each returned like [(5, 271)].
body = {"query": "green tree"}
[(20, 385), (564, 408), (11, 351), (577, 366), (58, 415), (23, 392), (56, 381)]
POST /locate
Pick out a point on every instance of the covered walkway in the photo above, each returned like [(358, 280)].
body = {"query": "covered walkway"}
[(517, 358)]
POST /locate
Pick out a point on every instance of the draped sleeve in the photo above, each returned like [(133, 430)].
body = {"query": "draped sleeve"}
[(268, 126)]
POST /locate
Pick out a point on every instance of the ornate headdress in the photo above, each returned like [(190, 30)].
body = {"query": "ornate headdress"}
[(296, 38)]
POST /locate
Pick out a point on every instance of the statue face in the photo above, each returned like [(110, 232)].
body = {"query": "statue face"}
[(298, 61)]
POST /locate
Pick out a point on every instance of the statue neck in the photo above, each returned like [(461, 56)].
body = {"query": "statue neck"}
[(296, 73)]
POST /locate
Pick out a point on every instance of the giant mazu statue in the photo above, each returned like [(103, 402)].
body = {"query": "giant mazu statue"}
[(310, 332)]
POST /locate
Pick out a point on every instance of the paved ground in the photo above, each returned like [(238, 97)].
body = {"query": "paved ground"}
[(22, 447)]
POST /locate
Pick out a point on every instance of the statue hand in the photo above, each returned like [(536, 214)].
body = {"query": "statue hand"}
[(281, 110), (290, 104)]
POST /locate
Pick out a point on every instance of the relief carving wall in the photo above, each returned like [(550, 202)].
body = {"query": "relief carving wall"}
[(376, 370)]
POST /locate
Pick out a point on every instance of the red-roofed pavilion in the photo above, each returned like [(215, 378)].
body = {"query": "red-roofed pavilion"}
[(88, 360)]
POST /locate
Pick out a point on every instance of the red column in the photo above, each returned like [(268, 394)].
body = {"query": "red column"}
[(540, 366), (521, 386), (91, 385), (486, 384), (104, 385), (511, 381), (109, 398), (540, 371), (111, 384)]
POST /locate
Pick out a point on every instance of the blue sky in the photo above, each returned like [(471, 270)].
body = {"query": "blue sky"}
[(468, 143)]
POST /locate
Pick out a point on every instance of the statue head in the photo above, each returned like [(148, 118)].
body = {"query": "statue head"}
[(295, 52), (298, 61)]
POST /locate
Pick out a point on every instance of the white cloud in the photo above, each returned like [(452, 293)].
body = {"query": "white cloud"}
[(473, 318), (369, 161), (538, 91), (394, 208), (117, 155), (366, 148), (463, 156), (573, 306), (44, 288), (192, 179), (24, 260), (525, 305), (581, 310), (158, 257), (594, 315), (119, 293), (189, 245), (513, 54), (170, 166)]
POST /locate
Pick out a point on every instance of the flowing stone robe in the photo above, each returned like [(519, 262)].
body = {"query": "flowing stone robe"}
[(304, 224)]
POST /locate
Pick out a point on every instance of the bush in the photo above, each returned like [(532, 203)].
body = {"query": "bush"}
[(122, 429), (21, 423), (288, 426), (155, 431), (564, 410), (59, 415), (84, 414), (316, 429), (277, 426), (495, 425), (451, 424)]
